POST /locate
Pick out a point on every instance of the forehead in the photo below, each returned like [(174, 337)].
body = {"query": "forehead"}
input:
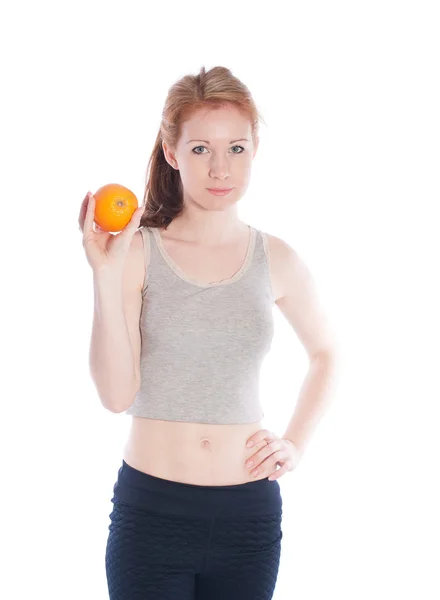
[(216, 123)]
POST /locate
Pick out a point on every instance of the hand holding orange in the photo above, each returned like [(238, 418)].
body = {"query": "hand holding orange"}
[(113, 208)]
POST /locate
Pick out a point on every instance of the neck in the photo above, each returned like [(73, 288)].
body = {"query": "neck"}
[(207, 229)]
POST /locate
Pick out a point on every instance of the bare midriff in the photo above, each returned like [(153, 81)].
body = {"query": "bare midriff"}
[(196, 453)]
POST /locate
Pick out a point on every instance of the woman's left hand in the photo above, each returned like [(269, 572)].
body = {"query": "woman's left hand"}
[(276, 451)]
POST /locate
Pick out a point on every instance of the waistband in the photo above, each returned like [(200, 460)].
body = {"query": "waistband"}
[(145, 491)]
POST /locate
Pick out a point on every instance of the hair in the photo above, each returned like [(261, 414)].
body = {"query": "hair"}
[(216, 88)]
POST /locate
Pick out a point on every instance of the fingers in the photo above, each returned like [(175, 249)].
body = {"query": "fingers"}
[(136, 217), (90, 215), (266, 451), (281, 471), (83, 211)]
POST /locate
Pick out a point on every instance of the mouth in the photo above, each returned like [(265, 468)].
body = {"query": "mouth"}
[(219, 191)]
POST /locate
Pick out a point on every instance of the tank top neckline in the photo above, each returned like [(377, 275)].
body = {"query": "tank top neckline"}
[(182, 275)]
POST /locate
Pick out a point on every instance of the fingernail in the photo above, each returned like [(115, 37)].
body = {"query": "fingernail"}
[(250, 444)]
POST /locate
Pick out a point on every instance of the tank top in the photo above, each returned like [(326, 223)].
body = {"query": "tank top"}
[(203, 344)]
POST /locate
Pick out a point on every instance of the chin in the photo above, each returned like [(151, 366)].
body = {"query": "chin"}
[(219, 203), (211, 202)]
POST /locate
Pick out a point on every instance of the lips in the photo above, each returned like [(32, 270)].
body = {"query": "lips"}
[(219, 192)]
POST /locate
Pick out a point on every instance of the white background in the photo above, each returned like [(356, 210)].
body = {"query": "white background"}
[(347, 173)]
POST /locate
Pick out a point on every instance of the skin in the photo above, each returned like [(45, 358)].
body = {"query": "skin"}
[(207, 219)]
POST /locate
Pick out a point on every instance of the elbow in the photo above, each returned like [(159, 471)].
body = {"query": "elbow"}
[(114, 409), (116, 405), (117, 408)]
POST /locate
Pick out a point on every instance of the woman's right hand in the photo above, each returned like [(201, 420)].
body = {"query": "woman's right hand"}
[(104, 250)]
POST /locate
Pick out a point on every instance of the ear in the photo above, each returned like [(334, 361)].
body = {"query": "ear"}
[(169, 156)]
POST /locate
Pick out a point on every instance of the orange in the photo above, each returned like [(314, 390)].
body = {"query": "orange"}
[(114, 207)]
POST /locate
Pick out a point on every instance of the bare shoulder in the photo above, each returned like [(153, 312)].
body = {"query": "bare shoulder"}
[(289, 269), (298, 298), (280, 252)]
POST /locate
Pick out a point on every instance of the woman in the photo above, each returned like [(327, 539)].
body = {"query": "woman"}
[(183, 321)]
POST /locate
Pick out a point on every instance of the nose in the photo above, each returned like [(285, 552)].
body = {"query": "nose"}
[(219, 167)]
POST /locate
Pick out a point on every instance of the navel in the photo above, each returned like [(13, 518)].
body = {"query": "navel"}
[(205, 443)]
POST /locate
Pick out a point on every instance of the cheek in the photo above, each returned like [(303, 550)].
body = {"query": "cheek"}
[(242, 171), (193, 170), (189, 174)]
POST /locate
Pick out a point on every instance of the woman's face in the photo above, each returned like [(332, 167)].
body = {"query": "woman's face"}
[(215, 149)]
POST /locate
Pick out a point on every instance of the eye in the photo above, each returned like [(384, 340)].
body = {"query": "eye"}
[(243, 149)]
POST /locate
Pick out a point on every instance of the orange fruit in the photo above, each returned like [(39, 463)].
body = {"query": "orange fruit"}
[(114, 207)]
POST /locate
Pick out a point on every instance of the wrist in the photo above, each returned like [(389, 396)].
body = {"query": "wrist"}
[(299, 450)]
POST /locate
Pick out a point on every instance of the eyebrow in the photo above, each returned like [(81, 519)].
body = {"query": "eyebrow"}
[(231, 142)]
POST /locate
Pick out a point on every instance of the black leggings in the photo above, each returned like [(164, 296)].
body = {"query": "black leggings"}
[(176, 541)]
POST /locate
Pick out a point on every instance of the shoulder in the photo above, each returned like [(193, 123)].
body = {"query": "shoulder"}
[(300, 300), (277, 245), (283, 258)]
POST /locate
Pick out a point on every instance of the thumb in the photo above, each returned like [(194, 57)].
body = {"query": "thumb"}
[(133, 224), (135, 218), (124, 239)]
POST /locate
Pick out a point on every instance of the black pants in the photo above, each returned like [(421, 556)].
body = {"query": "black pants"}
[(176, 541)]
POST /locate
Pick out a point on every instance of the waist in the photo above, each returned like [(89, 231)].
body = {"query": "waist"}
[(151, 493), (193, 453)]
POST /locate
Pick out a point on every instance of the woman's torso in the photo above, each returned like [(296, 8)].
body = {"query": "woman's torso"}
[(197, 453)]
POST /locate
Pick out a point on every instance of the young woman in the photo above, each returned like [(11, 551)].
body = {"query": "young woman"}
[(183, 320)]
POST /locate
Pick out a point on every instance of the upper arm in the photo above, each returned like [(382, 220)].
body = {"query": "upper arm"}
[(300, 303), (132, 290)]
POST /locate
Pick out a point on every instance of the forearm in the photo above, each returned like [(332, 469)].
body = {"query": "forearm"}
[(111, 355), (313, 401)]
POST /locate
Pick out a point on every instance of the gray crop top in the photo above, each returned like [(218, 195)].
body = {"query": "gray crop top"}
[(202, 345)]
